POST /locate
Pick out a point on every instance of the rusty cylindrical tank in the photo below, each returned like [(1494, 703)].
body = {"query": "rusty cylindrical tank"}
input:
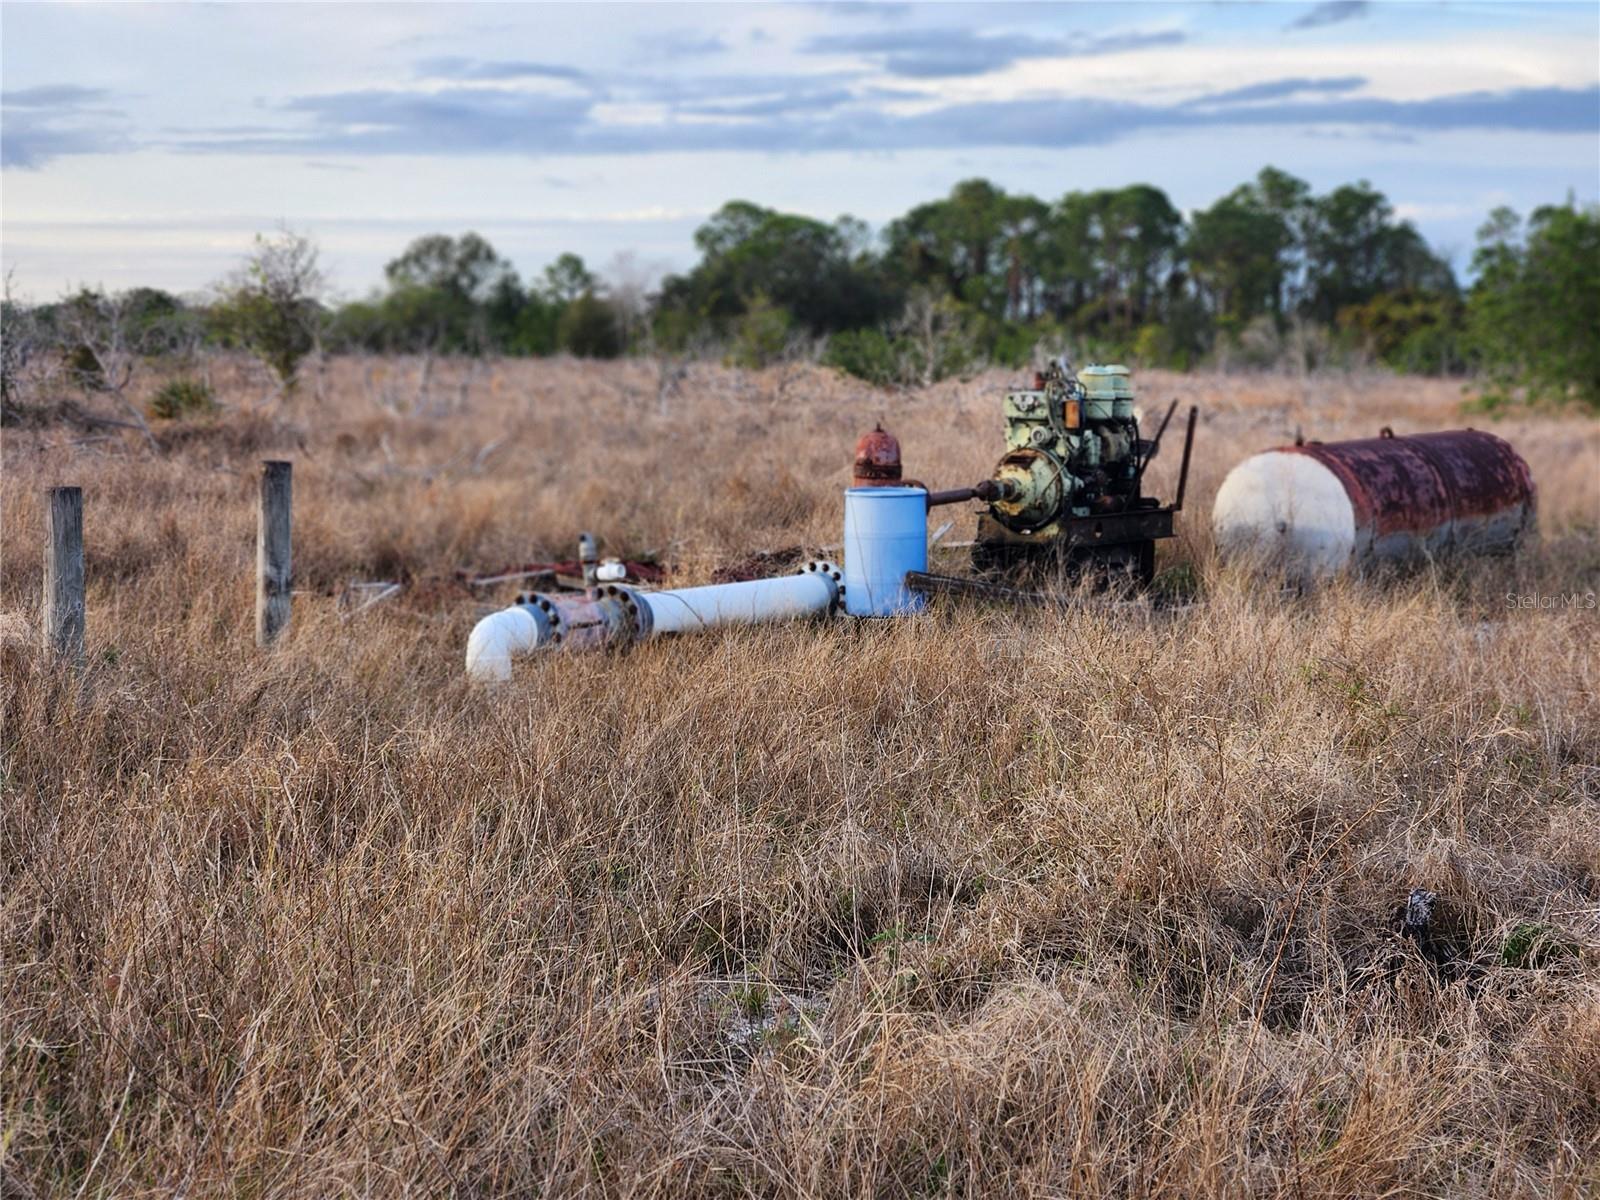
[(877, 460), (1319, 507)]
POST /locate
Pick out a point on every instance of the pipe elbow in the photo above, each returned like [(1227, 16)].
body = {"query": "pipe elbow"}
[(498, 638)]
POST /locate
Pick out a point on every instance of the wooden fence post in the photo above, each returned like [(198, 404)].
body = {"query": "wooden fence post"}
[(272, 552), (63, 575)]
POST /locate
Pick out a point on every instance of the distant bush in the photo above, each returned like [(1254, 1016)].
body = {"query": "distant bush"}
[(83, 368), (1410, 330), (588, 328), (865, 353), (183, 397), (1012, 344), (761, 335)]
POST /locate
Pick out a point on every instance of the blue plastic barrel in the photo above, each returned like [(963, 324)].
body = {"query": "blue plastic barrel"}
[(885, 535)]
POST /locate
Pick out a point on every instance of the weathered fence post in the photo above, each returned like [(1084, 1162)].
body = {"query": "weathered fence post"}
[(272, 552), (63, 575)]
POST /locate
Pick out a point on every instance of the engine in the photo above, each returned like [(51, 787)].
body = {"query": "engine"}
[(1069, 488)]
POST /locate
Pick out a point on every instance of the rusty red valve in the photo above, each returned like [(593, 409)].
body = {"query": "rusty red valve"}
[(877, 460)]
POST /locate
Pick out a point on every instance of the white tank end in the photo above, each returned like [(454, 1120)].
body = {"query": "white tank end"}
[(1287, 511)]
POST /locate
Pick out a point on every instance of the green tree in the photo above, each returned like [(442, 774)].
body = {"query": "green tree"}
[(1355, 249), (451, 294), (568, 278), (812, 270), (1068, 249), (1533, 314), (272, 306), (1109, 257), (960, 243), (1240, 249), (1139, 232)]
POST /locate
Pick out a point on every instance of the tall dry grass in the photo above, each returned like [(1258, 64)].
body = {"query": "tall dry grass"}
[(1101, 902)]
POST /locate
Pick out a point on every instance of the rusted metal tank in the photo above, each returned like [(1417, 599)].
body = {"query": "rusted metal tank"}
[(877, 460), (1319, 507)]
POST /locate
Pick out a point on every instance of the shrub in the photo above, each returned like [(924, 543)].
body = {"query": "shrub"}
[(183, 397), (1410, 330), (865, 353), (761, 335), (271, 305), (588, 328), (1012, 345)]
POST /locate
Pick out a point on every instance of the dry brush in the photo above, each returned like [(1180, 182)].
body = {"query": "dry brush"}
[(1100, 902)]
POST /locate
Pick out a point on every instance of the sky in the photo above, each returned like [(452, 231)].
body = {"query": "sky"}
[(148, 144)]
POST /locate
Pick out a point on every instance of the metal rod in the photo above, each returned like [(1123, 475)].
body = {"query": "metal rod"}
[(988, 489), (1183, 471), (951, 585), (1155, 445)]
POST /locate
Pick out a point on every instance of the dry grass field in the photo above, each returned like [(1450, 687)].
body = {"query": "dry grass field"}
[(1102, 902)]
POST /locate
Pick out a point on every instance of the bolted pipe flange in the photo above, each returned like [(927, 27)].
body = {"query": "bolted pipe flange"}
[(541, 619), (831, 571), (637, 613)]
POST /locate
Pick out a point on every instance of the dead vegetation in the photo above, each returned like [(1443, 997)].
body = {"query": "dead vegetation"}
[(1106, 902)]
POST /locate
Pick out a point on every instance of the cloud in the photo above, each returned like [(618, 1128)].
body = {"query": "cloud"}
[(684, 43), (474, 70), (861, 8), (686, 93), (29, 144), (40, 123), (774, 105), (822, 112), (1330, 12), (470, 119), (949, 52), (1046, 123), (479, 121), (1279, 89), (64, 96)]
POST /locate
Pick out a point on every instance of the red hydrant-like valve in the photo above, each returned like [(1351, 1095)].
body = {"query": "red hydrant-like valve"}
[(877, 460)]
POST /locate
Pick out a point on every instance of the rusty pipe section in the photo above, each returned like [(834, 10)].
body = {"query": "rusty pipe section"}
[(613, 615), (877, 464), (1320, 507), (988, 489)]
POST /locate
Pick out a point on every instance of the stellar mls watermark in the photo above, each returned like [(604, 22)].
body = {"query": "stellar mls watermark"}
[(1552, 601)]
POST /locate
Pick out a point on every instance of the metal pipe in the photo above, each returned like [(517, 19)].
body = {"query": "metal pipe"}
[(988, 489), (588, 560)]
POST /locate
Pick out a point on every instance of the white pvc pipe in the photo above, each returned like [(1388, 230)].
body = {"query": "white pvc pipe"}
[(496, 638), (522, 629), (787, 596)]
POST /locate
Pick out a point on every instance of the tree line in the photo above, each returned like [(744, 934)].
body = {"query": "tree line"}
[(1271, 274)]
